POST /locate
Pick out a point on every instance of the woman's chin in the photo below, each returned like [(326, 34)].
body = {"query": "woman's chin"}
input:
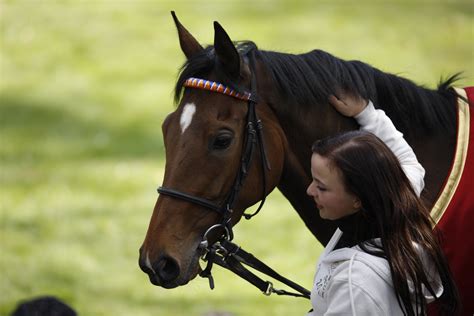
[(323, 214)]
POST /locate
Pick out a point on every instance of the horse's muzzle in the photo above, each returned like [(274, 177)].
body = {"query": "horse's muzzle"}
[(163, 272)]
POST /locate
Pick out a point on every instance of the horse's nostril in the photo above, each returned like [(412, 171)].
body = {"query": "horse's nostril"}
[(167, 269)]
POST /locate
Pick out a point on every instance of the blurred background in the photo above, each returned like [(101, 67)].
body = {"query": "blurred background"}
[(84, 88)]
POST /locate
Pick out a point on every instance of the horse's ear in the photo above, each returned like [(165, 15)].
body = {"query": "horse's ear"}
[(226, 51), (189, 45)]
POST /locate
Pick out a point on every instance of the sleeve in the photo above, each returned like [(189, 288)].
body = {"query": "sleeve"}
[(378, 123), (339, 302)]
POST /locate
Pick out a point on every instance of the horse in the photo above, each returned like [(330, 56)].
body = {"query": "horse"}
[(234, 97)]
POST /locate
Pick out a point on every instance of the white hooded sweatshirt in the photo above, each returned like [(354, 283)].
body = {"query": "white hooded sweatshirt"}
[(350, 281)]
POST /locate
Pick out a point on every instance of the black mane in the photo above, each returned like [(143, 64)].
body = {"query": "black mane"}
[(308, 79)]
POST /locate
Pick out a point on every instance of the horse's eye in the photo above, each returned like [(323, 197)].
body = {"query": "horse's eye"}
[(222, 141)]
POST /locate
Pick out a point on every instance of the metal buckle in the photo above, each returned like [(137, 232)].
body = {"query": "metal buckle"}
[(220, 250), (269, 289)]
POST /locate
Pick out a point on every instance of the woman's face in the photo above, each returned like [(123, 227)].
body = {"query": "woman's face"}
[(328, 190)]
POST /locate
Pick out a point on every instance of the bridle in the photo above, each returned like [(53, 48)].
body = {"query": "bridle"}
[(254, 135), (223, 251)]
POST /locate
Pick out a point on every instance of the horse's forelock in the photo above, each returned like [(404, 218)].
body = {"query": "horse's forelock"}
[(204, 62), (196, 66)]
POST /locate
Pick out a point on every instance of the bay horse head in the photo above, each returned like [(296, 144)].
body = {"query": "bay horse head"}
[(219, 159)]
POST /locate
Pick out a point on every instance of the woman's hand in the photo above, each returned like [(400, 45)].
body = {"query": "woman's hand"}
[(348, 104)]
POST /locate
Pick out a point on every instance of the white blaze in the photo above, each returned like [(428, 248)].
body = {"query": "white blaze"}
[(187, 116)]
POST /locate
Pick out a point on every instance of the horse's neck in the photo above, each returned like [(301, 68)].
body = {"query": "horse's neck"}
[(435, 153), (301, 127), (305, 125), (293, 184)]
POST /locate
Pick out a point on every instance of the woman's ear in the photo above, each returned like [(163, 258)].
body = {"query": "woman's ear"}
[(357, 203)]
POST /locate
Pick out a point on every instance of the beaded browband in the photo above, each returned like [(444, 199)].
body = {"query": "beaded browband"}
[(216, 87)]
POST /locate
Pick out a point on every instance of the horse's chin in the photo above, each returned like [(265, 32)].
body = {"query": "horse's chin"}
[(192, 270), (170, 285)]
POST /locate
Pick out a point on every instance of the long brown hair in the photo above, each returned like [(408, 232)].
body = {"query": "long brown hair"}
[(373, 173)]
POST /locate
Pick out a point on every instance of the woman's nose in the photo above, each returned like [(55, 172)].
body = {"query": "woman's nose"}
[(310, 190)]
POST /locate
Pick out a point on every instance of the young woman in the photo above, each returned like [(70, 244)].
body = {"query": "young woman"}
[(384, 258)]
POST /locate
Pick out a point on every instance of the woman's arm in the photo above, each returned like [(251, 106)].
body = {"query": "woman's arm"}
[(378, 123)]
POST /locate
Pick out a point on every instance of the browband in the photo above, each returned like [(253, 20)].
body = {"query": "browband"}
[(204, 84)]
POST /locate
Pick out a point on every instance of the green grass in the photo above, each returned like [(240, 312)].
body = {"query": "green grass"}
[(84, 88)]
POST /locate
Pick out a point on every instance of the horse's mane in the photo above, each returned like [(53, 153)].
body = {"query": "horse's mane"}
[(308, 79)]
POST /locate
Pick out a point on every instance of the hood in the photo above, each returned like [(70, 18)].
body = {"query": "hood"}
[(382, 268), (377, 264)]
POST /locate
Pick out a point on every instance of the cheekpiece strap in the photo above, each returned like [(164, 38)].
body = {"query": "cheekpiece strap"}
[(203, 84)]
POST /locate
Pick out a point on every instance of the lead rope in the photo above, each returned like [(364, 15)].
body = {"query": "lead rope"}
[(232, 257)]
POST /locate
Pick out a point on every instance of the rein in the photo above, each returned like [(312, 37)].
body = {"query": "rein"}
[(223, 252)]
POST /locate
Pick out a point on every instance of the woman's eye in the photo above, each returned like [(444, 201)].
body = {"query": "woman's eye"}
[(321, 188), (222, 141)]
